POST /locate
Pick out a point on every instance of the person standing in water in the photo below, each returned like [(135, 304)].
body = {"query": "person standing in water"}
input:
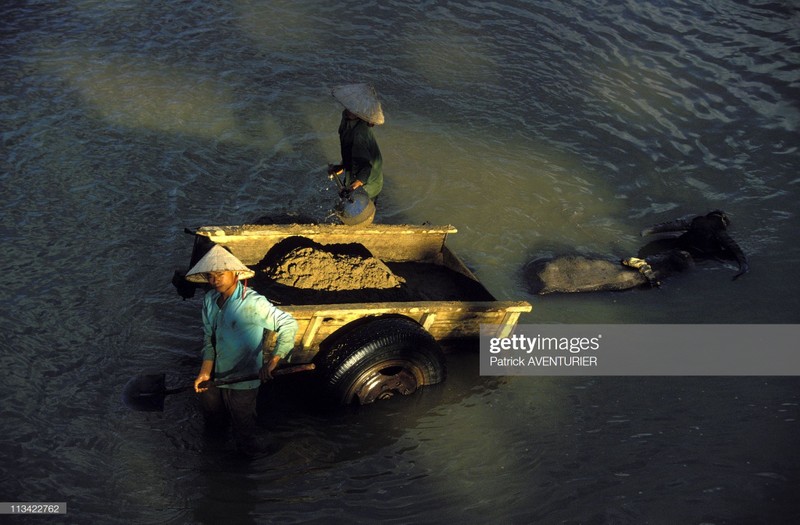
[(235, 322), (361, 157)]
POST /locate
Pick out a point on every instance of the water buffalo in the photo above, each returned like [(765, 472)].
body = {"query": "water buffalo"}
[(687, 240)]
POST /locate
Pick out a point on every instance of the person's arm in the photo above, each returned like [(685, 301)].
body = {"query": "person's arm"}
[(204, 375), (209, 353), (362, 169), (362, 158), (285, 326)]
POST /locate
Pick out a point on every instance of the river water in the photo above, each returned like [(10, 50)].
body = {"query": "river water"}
[(535, 128)]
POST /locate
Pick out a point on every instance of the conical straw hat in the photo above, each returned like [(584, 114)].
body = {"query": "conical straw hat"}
[(218, 259), (361, 99)]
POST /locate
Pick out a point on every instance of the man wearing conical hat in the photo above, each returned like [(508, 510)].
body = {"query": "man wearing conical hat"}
[(361, 158), (235, 319)]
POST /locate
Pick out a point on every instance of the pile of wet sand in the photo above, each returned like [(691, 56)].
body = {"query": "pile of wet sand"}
[(312, 268), (300, 271)]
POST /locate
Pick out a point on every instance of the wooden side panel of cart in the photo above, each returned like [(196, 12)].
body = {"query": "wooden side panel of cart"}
[(445, 320), (388, 242)]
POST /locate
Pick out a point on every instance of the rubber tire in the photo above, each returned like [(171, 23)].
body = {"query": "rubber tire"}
[(399, 343)]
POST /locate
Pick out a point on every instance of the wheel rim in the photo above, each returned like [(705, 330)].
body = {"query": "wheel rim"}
[(383, 380)]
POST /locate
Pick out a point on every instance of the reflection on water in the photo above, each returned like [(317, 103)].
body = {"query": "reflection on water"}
[(534, 128)]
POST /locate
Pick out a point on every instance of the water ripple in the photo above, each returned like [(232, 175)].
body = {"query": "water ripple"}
[(534, 128)]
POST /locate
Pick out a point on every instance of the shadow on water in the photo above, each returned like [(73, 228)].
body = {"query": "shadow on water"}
[(361, 430), (313, 443)]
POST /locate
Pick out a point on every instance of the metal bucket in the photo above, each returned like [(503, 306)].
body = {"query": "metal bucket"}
[(356, 208)]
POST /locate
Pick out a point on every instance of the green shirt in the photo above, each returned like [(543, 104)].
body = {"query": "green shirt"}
[(361, 156), (234, 334)]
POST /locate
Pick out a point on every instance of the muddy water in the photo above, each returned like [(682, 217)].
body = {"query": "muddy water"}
[(535, 128)]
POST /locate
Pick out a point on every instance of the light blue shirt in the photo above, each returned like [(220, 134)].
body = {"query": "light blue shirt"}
[(239, 331)]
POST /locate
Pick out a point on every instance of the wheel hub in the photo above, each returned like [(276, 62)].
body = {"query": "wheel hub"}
[(384, 383)]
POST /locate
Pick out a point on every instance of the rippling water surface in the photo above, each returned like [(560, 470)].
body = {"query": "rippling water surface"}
[(536, 128)]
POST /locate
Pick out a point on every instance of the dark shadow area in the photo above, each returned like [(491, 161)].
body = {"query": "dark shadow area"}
[(293, 402), (431, 282)]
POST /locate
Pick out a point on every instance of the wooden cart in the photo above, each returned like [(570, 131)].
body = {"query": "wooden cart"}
[(370, 347)]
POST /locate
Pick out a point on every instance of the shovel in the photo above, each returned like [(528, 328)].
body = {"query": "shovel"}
[(146, 393)]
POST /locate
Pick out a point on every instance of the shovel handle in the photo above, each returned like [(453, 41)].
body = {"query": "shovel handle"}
[(253, 377)]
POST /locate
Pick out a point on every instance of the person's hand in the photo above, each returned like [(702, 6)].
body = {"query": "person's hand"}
[(201, 378), (269, 366), (335, 169)]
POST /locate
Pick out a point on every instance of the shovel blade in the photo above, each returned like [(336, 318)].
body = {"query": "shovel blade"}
[(145, 393)]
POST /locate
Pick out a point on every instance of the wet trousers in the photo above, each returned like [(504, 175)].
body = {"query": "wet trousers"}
[(223, 406)]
